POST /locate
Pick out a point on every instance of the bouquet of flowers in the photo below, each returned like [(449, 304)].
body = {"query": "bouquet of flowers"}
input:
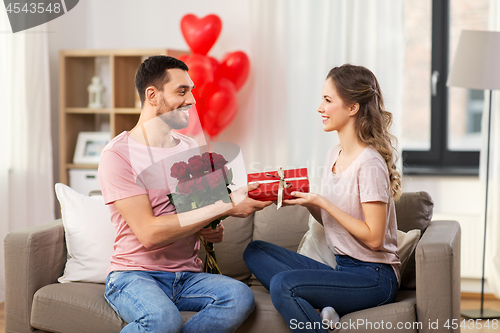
[(203, 180)]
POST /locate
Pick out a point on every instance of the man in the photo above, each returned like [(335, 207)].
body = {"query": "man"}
[(155, 271)]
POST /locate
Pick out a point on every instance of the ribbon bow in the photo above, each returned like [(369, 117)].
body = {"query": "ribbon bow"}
[(282, 186)]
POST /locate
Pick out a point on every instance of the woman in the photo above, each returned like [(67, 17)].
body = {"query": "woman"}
[(356, 206)]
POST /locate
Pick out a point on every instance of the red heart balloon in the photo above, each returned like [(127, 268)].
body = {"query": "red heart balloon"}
[(215, 64), (220, 105), (183, 57), (201, 34), (235, 66), (201, 72)]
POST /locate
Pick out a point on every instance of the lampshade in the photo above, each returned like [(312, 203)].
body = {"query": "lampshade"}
[(477, 61)]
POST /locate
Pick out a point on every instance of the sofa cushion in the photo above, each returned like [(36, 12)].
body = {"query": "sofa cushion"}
[(314, 246), (82, 308), (407, 242), (384, 318), (237, 235), (413, 211), (74, 307), (265, 317), (89, 235), (284, 227)]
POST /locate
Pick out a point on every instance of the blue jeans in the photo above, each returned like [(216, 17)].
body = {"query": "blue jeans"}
[(299, 285), (151, 301)]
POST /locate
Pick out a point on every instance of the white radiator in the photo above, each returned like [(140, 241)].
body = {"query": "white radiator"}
[(472, 242)]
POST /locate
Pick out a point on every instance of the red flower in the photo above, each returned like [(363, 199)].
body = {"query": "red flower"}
[(219, 161), (186, 186), (196, 166), (179, 170), (207, 160), (214, 159), (214, 179), (200, 183)]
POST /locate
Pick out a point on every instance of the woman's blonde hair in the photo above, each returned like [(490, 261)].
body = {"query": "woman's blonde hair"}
[(357, 84)]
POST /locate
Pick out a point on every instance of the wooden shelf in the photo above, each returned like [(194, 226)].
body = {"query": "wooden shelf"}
[(127, 111), (81, 166), (103, 111), (76, 69), (88, 111), (118, 52)]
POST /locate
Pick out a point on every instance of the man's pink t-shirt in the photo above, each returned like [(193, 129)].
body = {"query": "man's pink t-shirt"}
[(128, 168), (365, 180)]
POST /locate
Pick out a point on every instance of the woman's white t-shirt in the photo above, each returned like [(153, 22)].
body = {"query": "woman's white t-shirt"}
[(365, 180)]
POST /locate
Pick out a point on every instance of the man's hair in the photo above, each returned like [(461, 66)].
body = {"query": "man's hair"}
[(153, 72)]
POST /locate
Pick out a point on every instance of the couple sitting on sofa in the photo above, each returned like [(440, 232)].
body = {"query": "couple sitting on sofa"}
[(155, 271)]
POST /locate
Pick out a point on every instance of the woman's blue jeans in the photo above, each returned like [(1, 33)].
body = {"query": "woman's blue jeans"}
[(151, 301), (299, 285)]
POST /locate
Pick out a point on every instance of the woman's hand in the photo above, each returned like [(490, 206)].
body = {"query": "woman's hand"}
[(308, 200), (312, 201), (213, 235)]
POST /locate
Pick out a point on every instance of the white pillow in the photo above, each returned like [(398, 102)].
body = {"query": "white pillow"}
[(314, 246), (407, 242), (89, 234)]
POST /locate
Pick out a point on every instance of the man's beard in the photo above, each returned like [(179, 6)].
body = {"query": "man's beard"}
[(176, 119)]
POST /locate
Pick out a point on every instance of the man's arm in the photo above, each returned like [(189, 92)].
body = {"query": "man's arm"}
[(154, 231)]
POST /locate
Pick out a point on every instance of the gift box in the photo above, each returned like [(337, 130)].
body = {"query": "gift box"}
[(292, 180)]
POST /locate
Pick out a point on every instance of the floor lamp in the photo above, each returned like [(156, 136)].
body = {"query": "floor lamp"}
[(477, 66)]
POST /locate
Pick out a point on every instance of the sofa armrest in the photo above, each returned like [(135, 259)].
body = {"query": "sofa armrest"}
[(438, 277), (34, 257)]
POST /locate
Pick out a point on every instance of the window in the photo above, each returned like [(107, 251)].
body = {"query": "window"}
[(441, 125)]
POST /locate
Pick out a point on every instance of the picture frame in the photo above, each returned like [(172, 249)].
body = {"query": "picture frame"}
[(89, 146)]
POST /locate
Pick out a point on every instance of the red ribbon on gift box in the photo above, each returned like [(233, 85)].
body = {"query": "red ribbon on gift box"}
[(278, 185)]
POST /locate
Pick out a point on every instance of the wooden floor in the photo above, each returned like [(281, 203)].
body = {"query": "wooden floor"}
[(468, 326), (479, 326), (2, 318)]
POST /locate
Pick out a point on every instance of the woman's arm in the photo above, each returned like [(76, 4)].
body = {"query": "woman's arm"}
[(316, 213), (314, 210), (370, 232)]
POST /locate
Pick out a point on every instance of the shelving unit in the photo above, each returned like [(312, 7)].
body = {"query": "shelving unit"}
[(117, 69)]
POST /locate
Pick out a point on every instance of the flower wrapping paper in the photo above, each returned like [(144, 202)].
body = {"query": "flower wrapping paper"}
[(295, 179)]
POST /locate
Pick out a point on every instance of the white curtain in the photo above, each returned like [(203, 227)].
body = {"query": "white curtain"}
[(493, 227), (295, 44), (26, 184)]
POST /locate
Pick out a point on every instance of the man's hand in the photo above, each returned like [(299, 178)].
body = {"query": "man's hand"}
[(243, 205), (213, 235)]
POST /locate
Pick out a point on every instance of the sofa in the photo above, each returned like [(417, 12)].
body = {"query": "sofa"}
[(428, 299)]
